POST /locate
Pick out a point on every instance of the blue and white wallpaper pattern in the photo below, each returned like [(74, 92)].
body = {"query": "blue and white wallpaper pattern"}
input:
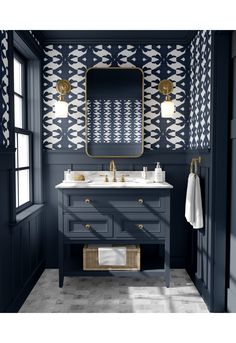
[(4, 96), (200, 91), (114, 121), (157, 61)]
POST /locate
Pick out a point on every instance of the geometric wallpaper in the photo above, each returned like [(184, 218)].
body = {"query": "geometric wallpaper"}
[(64, 61), (114, 121), (4, 96), (200, 91)]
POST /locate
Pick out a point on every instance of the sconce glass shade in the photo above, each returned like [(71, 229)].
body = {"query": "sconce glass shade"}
[(167, 109), (61, 109)]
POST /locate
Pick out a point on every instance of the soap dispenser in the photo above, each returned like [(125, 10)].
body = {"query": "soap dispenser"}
[(158, 174), (67, 175)]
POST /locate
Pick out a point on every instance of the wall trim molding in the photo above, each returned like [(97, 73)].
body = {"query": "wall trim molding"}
[(149, 156), (115, 37)]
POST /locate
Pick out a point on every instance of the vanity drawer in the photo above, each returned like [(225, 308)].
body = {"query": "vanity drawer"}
[(144, 226), (84, 225), (134, 199)]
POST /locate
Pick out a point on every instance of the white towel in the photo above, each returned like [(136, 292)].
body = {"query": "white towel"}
[(112, 256), (189, 203), (193, 204)]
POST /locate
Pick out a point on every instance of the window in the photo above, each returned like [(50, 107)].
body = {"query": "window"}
[(23, 137)]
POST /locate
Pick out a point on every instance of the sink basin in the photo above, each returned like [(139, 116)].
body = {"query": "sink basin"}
[(111, 184)]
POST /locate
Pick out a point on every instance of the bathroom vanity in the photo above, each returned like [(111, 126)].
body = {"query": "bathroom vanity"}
[(123, 213)]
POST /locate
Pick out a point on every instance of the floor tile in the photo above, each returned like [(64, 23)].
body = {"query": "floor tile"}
[(114, 295)]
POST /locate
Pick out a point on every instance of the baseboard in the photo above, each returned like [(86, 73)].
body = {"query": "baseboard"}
[(26, 289), (231, 301), (203, 291)]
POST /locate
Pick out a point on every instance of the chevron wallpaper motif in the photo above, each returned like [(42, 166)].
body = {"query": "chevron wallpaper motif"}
[(200, 91), (4, 97), (157, 61)]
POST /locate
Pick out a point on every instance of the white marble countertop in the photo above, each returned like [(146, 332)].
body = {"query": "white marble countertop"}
[(96, 180)]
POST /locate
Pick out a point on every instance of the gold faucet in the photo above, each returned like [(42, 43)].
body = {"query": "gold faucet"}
[(113, 170)]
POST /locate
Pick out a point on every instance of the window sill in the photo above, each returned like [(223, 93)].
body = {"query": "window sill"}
[(27, 213)]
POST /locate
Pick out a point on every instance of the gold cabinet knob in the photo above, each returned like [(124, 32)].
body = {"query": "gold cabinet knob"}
[(140, 201), (87, 201), (87, 226), (140, 226)]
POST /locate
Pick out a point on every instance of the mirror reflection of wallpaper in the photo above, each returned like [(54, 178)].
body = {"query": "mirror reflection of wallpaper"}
[(4, 97), (157, 62), (114, 121)]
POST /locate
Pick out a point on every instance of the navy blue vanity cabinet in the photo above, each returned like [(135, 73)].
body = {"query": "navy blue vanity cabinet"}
[(114, 216)]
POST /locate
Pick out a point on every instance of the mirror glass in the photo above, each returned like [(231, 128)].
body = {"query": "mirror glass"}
[(114, 112)]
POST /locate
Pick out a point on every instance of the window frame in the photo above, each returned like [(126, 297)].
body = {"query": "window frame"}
[(23, 96), (25, 131)]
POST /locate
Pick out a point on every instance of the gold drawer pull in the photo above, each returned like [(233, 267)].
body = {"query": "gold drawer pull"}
[(140, 201), (87, 226), (140, 226), (87, 201)]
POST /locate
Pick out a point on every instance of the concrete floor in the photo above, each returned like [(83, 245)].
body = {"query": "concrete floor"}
[(114, 294)]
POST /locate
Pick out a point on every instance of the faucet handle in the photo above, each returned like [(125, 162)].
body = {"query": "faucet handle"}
[(105, 178), (122, 179)]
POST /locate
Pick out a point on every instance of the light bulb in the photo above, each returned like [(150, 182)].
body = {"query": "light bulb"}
[(167, 109), (61, 109)]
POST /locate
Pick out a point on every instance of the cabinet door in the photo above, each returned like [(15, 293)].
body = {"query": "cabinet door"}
[(88, 225), (145, 226)]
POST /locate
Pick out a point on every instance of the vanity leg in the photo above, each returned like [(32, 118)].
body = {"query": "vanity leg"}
[(167, 263), (61, 279), (60, 265), (167, 278), (167, 247), (60, 240)]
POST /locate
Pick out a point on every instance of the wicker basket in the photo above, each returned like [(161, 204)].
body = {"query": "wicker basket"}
[(90, 259)]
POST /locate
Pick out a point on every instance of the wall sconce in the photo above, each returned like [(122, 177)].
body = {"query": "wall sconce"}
[(165, 87), (61, 106)]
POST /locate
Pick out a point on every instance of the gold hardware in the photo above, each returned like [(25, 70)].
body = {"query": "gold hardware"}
[(63, 87), (194, 162), (122, 179), (140, 201), (87, 226), (165, 87), (113, 170), (87, 201), (105, 178), (140, 226), (86, 114)]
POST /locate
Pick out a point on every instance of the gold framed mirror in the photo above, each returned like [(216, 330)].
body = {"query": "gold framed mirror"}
[(114, 112)]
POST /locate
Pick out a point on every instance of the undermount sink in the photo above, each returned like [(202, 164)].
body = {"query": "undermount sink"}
[(110, 183), (119, 183)]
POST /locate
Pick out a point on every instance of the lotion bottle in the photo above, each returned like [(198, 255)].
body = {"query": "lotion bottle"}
[(158, 173)]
